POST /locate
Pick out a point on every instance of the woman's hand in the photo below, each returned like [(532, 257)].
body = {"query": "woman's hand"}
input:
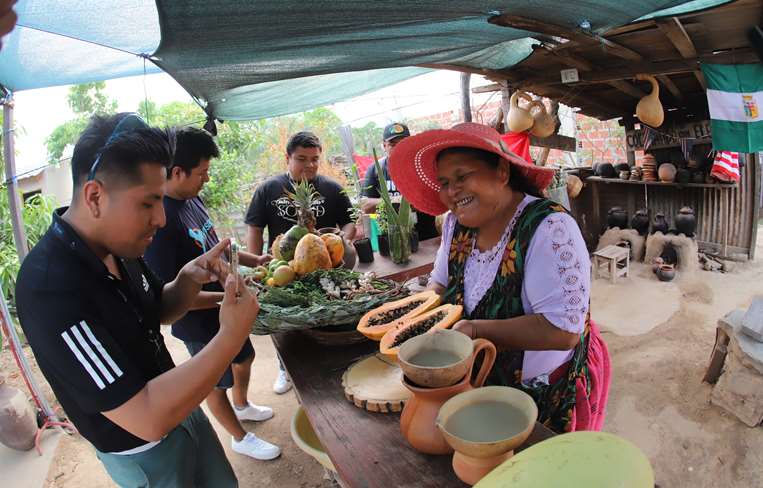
[(466, 327)]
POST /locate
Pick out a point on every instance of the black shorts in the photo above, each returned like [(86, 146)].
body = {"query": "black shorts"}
[(246, 352)]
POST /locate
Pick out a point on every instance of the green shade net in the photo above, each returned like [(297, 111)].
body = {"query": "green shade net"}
[(218, 50)]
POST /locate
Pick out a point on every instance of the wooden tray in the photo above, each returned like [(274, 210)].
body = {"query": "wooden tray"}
[(375, 384)]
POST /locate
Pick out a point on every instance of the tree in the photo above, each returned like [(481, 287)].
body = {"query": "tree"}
[(85, 100), (367, 137)]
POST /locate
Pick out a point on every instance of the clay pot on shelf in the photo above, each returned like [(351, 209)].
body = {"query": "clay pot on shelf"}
[(606, 170), (617, 217), (667, 172), (619, 167), (18, 422), (574, 186), (666, 272), (683, 176), (686, 221), (698, 177), (660, 223), (640, 222), (625, 175)]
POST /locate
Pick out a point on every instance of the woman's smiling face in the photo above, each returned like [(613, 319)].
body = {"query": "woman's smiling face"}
[(470, 187)]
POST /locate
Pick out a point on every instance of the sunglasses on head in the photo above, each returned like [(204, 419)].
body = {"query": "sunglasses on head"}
[(129, 123)]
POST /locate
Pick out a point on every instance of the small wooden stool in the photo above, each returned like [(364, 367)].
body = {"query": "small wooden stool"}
[(615, 258)]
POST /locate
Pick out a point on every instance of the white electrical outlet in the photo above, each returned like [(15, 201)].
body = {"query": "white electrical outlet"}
[(570, 75)]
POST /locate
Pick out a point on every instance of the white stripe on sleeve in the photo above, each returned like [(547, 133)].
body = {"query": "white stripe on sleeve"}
[(91, 354), (82, 360), (101, 349)]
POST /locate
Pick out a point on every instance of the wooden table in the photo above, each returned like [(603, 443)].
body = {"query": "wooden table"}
[(367, 448), (421, 263)]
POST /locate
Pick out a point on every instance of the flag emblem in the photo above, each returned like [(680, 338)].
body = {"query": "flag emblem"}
[(750, 106)]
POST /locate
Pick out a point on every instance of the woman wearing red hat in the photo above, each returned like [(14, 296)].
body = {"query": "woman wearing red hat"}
[(516, 262)]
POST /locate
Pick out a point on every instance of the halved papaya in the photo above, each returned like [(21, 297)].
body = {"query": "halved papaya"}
[(441, 317), (375, 323)]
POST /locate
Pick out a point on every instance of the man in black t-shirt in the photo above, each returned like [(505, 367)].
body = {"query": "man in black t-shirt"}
[(91, 310), (272, 209), (189, 232), (393, 133)]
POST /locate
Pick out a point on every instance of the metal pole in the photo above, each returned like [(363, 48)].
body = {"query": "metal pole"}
[(505, 98), (14, 200)]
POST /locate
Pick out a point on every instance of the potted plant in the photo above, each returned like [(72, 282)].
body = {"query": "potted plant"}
[(397, 222)]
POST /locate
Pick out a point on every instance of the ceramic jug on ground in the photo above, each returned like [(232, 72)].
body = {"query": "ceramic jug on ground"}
[(418, 419), (18, 422)]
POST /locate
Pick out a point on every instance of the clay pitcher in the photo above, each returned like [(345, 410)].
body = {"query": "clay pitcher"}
[(520, 119), (418, 419), (18, 422)]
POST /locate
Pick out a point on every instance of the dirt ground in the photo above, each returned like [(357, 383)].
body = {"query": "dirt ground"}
[(660, 336)]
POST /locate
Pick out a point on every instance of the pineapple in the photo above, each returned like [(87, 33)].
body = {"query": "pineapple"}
[(303, 197)]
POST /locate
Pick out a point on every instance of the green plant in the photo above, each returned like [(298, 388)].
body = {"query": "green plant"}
[(398, 222), (37, 213)]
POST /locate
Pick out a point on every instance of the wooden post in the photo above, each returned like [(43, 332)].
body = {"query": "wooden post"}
[(14, 200), (630, 155), (466, 105), (505, 96)]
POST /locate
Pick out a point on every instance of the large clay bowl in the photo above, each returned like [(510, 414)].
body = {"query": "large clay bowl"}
[(576, 459), (436, 376), (504, 394), (306, 439)]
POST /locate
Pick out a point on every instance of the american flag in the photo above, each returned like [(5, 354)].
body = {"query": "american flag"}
[(726, 166)]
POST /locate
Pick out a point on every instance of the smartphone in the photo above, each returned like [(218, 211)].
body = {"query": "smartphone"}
[(234, 262)]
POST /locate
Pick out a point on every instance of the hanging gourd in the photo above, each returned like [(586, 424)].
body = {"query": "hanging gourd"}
[(520, 119), (544, 123), (649, 109)]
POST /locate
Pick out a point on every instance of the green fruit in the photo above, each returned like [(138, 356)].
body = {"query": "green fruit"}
[(283, 275), (590, 459), (290, 240), (275, 264)]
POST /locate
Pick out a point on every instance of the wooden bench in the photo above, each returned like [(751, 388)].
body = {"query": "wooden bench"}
[(615, 258)]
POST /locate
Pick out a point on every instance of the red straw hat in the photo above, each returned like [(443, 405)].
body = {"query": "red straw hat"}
[(412, 163)]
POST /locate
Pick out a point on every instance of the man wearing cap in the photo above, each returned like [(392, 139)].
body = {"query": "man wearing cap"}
[(91, 310), (393, 134)]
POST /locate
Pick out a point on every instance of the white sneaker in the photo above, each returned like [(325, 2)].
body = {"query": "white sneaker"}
[(282, 383), (253, 446), (254, 412)]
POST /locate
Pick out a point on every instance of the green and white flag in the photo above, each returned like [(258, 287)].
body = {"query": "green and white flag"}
[(735, 99)]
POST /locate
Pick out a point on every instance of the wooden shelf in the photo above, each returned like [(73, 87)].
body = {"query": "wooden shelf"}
[(720, 186)]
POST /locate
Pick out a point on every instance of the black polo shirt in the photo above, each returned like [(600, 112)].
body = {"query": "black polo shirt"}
[(96, 338)]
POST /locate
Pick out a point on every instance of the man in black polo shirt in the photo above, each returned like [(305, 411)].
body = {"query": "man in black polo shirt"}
[(393, 133), (91, 311), (189, 233)]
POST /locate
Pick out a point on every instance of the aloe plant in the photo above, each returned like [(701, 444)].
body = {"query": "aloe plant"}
[(401, 217)]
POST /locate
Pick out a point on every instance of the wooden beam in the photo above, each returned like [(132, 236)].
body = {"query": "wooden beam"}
[(582, 37), (466, 104), (675, 32), (556, 141), (493, 87), (668, 67), (672, 88), (584, 65)]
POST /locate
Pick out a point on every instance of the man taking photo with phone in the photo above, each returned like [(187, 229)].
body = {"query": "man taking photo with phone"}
[(91, 310), (189, 233)]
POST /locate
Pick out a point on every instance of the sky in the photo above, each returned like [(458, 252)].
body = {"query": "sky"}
[(38, 112)]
